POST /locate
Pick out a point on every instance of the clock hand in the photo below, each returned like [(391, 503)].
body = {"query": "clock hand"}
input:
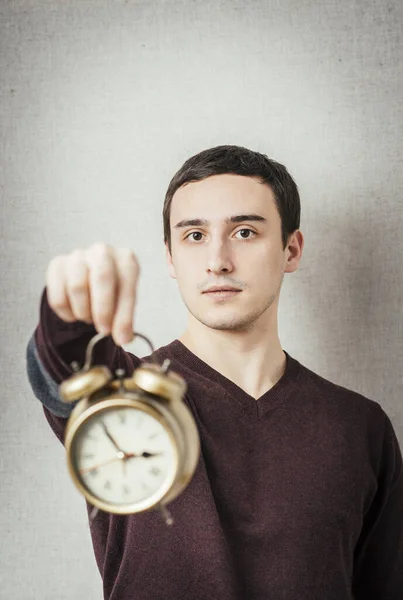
[(148, 455), (126, 454), (111, 438), (144, 455), (119, 456)]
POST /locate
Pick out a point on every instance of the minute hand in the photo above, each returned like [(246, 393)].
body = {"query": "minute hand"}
[(111, 438)]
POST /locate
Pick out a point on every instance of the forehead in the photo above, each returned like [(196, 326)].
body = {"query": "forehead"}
[(220, 196)]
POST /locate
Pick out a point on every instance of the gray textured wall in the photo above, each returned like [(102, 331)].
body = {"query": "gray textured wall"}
[(100, 102)]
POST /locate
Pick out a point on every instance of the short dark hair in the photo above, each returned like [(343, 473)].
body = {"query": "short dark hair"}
[(238, 160)]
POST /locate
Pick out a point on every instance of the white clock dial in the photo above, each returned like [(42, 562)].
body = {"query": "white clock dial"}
[(124, 455)]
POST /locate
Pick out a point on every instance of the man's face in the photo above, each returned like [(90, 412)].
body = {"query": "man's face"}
[(226, 232)]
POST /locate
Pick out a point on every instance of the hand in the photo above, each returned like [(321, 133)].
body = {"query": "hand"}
[(95, 285)]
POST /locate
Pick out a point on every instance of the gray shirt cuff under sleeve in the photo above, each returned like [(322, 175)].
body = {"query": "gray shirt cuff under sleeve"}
[(43, 386)]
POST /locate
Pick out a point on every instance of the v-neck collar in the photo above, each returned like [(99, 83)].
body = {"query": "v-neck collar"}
[(255, 407)]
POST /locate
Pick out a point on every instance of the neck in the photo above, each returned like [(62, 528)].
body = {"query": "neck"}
[(253, 359)]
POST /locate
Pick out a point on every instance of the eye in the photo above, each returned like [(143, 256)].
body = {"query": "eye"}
[(245, 233), (194, 233)]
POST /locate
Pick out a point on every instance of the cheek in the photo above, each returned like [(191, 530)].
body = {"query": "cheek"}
[(188, 260), (265, 268), (186, 270)]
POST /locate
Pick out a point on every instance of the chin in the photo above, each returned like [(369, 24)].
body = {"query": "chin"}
[(227, 318), (228, 322), (230, 326)]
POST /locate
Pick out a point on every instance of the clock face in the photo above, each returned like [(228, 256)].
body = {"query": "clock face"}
[(123, 455)]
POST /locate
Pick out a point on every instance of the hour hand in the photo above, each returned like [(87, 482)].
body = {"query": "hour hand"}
[(149, 455)]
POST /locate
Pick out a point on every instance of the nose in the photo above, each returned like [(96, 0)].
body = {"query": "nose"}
[(219, 259)]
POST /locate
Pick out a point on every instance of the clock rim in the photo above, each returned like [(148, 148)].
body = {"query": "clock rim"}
[(109, 404)]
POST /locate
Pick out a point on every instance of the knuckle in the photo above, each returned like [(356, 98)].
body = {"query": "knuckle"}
[(103, 319), (67, 317), (55, 260), (76, 272), (77, 256), (102, 275), (99, 249), (126, 255), (123, 325), (76, 286), (127, 266), (57, 304), (54, 265), (101, 265)]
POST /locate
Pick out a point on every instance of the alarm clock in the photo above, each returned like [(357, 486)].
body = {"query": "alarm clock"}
[(131, 443)]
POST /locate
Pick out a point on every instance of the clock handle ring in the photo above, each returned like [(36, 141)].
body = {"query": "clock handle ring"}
[(98, 337)]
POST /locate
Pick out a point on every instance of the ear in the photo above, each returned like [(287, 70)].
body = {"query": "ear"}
[(294, 252), (171, 268)]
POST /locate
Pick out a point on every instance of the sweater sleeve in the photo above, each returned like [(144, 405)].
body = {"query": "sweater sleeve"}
[(51, 349), (378, 564)]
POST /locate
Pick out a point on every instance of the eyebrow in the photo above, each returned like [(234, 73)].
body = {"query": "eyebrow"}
[(233, 219)]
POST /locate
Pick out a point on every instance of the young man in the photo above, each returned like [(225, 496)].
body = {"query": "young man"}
[(298, 493)]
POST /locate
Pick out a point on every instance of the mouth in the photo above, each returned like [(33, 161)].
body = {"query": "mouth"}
[(217, 289), (221, 292)]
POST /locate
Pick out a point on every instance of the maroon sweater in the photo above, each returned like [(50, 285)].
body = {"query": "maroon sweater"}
[(297, 495)]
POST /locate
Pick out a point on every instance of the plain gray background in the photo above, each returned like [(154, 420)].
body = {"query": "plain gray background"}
[(101, 102)]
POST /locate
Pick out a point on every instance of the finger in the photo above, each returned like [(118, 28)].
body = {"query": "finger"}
[(56, 289), (102, 286), (128, 273), (77, 285)]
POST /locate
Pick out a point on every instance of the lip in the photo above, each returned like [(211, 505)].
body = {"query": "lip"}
[(216, 288)]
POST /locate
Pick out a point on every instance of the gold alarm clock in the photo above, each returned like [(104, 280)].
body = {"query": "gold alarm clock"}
[(132, 444)]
